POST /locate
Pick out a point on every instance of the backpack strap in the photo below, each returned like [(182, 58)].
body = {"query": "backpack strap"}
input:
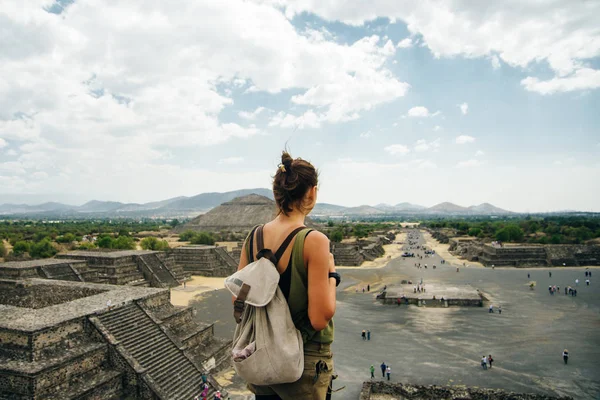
[(238, 304), (268, 253), (286, 242), (250, 245)]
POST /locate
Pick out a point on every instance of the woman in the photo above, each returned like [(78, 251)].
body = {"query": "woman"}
[(306, 278)]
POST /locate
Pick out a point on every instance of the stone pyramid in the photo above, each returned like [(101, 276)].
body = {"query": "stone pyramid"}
[(237, 215)]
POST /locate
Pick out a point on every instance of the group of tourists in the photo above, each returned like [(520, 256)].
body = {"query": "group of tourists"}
[(486, 360), (366, 335), (491, 309), (385, 370)]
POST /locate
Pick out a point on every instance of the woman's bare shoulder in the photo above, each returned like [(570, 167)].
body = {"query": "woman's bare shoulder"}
[(316, 240)]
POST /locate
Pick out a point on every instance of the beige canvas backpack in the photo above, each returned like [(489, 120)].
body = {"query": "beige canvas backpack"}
[(267, 348)]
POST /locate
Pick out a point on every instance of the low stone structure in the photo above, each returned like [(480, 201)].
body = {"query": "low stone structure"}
[(347, 254), (514, 256), (400, 391), (205, 260), (60, 339), (132, 267), (435, 296), (59, 269)]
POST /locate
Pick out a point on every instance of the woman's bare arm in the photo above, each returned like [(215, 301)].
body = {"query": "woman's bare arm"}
[(321, 288)]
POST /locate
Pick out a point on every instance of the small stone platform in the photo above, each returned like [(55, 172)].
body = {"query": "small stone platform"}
[(59, 269), (435, 295), (399, 391)]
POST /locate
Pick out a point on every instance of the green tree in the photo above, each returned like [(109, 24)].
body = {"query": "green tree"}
[(175, 222), (502, 235), (2, 250), (360, 231), (515, 233), (105, 242), (187, 235), (124, 232), (202, 238), (124, 243), (474, 232), (556, 239), (43, 249), (86, 246), (337, 236), (330, 223), (21, 247), (66, 238), (152, 243)]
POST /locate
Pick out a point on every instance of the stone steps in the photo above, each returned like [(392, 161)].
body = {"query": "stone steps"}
[(145, 341)]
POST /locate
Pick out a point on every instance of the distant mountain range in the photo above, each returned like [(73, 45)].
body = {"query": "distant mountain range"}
[(192, 206)]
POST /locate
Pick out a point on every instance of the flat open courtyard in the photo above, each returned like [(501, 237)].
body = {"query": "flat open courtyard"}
[(444, 346)]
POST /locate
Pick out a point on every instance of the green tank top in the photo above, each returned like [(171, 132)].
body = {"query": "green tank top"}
[(298, 298)]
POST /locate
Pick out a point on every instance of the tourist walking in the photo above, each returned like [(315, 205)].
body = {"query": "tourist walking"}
[(368, 288), (490, 360), (577, 282), (565, 356), (218, 395), (499, 309), (483, 362), (550, 274), (587, 282), (368, 334), (364, 335), (372, 369), (491, 309), (388, 371), (383, 368), (528, 275)]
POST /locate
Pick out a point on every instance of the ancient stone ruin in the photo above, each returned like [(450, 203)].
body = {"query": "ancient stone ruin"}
[(205, 260), (525, 255), (59, 269), (436, 295), (73, 340), (399, 391), (132, 267), (354, 253)]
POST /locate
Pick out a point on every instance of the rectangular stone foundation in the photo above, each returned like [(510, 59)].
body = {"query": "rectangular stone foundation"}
[(445, 296)]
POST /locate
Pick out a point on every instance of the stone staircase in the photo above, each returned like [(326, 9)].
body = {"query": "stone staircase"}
[(145, 341), (347, 254), (63, 272), (205, 260), (226, 258), (158, 270), (73, 366), (176, 269)]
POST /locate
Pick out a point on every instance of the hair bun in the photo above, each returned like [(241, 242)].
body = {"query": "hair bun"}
[(286, 160)]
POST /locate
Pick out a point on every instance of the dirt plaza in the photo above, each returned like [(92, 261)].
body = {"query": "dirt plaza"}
[(444, 346)]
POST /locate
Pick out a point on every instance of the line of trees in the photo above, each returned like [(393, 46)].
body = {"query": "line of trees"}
[(544, 230)]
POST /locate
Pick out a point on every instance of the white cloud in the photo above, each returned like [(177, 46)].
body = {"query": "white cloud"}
[(405, 43), (423, 145), (231, 160), (366, 135), (307, 120), (479, 153), (495, 61), (464, 108), (469, 163), (397, 149), (584, 78), (251, 115), (421, 112), (564, 35), (437, 128), (462, 139), (11, 152), (3, 143)]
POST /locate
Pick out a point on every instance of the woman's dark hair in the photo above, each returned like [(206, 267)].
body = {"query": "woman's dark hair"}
[(293, 179)]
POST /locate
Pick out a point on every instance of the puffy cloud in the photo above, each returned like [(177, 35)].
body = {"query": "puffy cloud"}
[(584, 78), (479, 153), (251, 115), (231, 160), (3, 143), (366, 135), (469, 163), (464, 108), (405, 43), (307, 120), (424, 145), (397, 149), (421, 111), (462, 139), (437, 128), (562, 34), (495, 61)]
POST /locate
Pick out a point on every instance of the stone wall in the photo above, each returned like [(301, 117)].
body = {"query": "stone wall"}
[(347, 254), (372, 390), (205, 260), (43, 295)]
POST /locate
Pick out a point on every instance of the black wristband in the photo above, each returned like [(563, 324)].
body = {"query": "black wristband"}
[(337, 278)]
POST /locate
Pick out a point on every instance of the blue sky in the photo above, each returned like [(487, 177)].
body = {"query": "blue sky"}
[(421, 101)]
